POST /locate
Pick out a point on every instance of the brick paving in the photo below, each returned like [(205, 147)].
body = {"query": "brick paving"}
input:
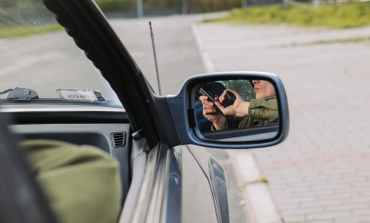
[(321, 173)]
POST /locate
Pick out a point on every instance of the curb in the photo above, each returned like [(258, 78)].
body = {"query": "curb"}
[(261, 204)]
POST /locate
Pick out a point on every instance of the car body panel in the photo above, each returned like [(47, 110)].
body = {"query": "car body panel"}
[(216, 177), (197, 198)]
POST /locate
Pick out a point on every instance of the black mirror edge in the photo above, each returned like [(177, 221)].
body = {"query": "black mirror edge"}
[(179, 106)]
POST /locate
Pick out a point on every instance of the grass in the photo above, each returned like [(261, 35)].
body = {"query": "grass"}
[(347, 40), (110, 1), (263, 180), (333, 41), (339, 16), (18, 31)]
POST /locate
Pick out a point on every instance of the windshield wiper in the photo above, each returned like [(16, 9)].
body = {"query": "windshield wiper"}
[(20, 94)]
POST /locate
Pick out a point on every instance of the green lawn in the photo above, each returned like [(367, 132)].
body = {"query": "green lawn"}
[(359, 39), (340, 16), (17, 31)]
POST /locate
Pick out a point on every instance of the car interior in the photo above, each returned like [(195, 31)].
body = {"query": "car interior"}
[(106, 127), (109, 132)]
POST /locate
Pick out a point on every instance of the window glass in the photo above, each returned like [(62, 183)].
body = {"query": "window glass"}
[(37, 54), (243, 87)]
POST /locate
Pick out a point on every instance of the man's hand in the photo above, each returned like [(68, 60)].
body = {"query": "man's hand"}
[(211, 114), (239, 108)]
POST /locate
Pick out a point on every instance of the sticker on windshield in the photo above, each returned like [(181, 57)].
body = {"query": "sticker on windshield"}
[(80, 95)]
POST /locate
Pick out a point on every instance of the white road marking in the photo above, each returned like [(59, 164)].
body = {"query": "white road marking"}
[(207, 62)]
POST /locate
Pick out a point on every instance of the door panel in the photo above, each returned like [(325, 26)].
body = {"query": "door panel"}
[(197, 200)]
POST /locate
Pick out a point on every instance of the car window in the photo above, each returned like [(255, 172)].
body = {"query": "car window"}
[(243, 87), (37, 54)]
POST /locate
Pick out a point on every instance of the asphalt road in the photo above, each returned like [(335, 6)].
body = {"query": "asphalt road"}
[(177, 52), (45, 63), (52, 61)]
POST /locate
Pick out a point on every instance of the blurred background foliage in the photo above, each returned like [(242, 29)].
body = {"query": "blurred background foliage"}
[(199, 6), (152, 7), (23, 12), (243, 87), (26, 17), (340, 15), (10, 9), (26, 30)]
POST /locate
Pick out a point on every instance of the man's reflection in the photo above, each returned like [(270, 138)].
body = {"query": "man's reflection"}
[(261, 111)]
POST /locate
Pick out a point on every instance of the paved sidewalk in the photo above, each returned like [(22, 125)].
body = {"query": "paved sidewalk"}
[(321, 173)]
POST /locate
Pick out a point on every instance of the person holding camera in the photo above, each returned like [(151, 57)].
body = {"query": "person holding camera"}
[(261, 111)]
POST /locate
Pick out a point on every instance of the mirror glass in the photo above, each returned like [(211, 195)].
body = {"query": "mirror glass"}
[(236, 110)]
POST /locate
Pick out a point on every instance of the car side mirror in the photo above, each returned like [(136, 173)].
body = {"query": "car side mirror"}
[(233, 110)]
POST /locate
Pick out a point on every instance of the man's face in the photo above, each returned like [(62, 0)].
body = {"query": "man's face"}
[(263, 89)]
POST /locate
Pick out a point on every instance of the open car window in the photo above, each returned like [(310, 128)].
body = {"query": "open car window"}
[(37, 54)]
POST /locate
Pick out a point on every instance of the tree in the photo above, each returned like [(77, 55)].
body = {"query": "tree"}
[(243, 87)]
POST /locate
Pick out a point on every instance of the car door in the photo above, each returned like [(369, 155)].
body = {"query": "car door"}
[(156, 193)]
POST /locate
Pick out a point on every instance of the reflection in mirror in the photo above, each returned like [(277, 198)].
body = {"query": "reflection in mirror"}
[(236, 110)]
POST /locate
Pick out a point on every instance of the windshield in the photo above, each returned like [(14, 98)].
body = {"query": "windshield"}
[(38, 57)]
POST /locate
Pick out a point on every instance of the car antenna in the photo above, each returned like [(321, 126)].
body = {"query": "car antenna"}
[(155, 59)]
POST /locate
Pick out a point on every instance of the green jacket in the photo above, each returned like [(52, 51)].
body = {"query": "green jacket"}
[(262, 112), (82, 183)]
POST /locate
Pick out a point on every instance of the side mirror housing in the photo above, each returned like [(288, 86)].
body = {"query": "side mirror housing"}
[(264, 120)]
